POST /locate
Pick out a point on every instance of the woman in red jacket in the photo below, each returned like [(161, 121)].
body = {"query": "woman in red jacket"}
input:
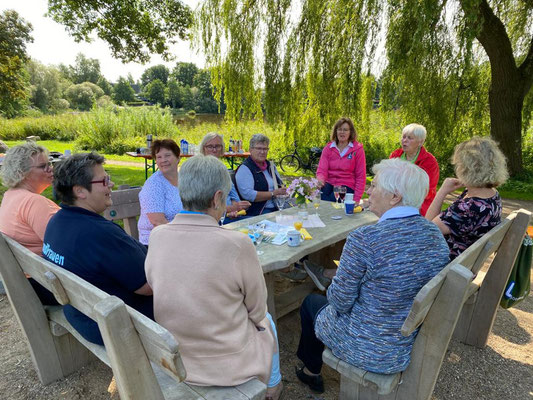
[(413, 137), (342, 162)]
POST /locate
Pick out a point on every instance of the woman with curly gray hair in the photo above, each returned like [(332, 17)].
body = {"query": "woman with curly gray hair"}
[(480, 167), (24, 213)]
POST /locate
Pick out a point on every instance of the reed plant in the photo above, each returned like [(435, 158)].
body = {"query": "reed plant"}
[(59, 127)]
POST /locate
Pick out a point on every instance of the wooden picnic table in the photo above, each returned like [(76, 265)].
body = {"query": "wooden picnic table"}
[(230, 157), (325, 245)]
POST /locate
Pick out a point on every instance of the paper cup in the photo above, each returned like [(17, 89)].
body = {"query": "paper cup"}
[(293, 238), (349, 197), (348, 207)]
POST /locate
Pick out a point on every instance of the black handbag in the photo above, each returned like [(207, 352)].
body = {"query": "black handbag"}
[(519, 283)]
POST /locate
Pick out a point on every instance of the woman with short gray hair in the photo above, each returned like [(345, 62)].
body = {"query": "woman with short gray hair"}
[(25, 212), (223, 265), (413, 150), (381, 269), (257, 178)]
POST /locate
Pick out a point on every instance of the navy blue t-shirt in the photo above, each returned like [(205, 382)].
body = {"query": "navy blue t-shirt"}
[(103, 254)]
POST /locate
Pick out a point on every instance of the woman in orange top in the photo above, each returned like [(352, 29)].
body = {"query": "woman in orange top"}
[(25, 212)]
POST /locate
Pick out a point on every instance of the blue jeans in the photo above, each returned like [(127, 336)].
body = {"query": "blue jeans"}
[(310, 347), (327, 192), (275, 374)]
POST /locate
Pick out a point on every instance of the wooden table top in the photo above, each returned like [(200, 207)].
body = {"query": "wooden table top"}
[(278, 257)]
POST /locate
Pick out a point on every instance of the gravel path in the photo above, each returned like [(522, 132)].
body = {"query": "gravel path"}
[(503, 370)]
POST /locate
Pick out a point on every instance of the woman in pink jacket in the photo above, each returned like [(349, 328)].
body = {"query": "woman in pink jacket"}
[(342, 162)]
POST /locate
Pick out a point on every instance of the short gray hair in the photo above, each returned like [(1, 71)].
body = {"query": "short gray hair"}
[(419, 131), (76, 170), (17, 163), (207, 138), (403, 178), (199, 179), (259, 138)]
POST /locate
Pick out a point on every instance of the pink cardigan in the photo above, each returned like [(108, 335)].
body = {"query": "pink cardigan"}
[(349, 170)]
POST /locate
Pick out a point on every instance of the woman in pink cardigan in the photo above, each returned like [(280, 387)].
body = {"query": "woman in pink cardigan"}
[(342, 162), (209, 289)]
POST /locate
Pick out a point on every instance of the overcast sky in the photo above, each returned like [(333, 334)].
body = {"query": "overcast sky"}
[(52, 45)]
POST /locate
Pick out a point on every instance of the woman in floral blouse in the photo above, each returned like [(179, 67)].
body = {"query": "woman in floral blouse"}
[(480, 167)]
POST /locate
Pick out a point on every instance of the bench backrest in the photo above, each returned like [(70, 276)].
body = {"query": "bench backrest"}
[(505, 239), (126, 207), (138, 336), (437, 306)]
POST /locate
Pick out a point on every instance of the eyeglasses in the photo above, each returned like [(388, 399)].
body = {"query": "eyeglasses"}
[(47, 166), (104, 182), (261, 148), (214, 147)]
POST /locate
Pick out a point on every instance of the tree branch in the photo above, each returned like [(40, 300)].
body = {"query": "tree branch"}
[(526, 70)]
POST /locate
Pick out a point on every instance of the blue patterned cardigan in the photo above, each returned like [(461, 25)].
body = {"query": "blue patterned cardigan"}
[(382, 268)]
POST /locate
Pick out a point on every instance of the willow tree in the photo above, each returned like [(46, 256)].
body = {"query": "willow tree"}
[(446, 61)]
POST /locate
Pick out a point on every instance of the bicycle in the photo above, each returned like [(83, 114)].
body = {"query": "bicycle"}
[(291, 163)]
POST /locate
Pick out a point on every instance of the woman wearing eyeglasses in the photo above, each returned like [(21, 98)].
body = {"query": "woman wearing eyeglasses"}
[(160, 198), (213, 145), (25, 212), (257, 178)]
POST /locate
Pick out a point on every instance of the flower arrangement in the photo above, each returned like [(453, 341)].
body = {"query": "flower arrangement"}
[(303, 190)]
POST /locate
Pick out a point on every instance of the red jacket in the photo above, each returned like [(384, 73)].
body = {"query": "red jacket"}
[(349, 170), (428, 163)]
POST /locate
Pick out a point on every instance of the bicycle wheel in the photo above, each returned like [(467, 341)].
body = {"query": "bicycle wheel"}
[(289, 164)]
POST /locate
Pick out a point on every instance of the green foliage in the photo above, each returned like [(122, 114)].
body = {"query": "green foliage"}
[(84, 70), (84, 95), (14, 35), (155, 92), (184, 73), (105, 86), (59, 127), (156, 72), (123, 92), (47, 87), (122, 129), (133, 29)]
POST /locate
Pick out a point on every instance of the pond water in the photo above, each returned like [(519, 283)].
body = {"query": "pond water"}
[(194, 120)]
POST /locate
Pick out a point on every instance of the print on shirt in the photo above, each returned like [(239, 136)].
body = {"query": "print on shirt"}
[(56, 258)]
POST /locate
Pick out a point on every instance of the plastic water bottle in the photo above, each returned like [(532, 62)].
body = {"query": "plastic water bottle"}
[(148, 142)]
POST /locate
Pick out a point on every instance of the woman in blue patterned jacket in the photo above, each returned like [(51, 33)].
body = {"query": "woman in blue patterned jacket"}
[(382, 268)]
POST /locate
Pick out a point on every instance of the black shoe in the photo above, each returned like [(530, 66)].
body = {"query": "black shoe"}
[(315, 382)]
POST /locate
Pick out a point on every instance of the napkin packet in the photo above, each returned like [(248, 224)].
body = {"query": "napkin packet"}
[(279, 239), (305, 235)]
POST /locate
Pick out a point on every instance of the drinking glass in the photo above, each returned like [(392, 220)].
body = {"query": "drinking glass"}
[(298, 225), (336, 193), (342, 193), (280, 202), (256, 233), (316, 202)]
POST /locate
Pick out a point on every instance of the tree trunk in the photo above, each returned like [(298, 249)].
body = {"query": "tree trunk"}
[(509, 83), (506, 100)]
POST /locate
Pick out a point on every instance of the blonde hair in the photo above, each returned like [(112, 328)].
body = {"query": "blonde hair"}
[(208, 137), (480, 163), (18, 162)]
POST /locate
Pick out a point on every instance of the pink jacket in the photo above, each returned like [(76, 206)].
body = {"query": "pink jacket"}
[(349, 170)]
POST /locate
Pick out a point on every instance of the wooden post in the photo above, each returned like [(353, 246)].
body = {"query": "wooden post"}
[(132, 370), (31, 316), (493, 286), (432, 341)]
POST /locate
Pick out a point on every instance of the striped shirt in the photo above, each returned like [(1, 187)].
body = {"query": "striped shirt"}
[(382, 268)]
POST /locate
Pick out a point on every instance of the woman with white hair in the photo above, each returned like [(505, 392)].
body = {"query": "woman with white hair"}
[(213, 145), (382, 268), (480, 167), (413, 150), (212, 297), (25, 212), (257, 179)]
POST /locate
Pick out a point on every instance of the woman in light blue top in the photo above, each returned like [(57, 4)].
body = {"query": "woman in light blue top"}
[(160, 198)]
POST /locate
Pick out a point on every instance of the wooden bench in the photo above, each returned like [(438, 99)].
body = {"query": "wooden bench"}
[(143, 355), (126, 207), (453, 302)]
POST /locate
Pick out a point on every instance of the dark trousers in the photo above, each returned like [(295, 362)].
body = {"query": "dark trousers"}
[(327, 192), (46, 297), (310, 347)]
